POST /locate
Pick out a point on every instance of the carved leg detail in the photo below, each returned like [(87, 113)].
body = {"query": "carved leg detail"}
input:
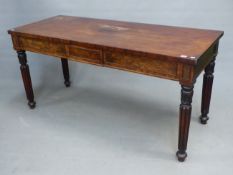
[(66, 74), (206, 91), (185, 115), (26, 78)]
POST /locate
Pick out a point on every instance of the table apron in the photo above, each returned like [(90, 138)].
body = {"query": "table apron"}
[(128, 61)]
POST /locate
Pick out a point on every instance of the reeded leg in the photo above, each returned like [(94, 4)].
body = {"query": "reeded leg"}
[(65, 69), (206, 91), (26, 78), (185, 115)]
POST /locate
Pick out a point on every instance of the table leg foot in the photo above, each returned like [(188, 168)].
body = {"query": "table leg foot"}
[(204, 119), (181, 156), (67, 83), (32, 104), (65, 69)]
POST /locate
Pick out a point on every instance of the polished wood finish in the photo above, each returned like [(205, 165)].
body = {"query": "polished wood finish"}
[(26, 78), (182, 52), (66, 74), (174, 53)]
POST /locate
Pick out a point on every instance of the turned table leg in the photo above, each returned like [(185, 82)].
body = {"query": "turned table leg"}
[(185, 115), (206, 91), (65, 69), (26, 78)]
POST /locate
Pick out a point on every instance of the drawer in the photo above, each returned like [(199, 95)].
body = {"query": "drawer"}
[(42, 46), (141, 64), (82, 54), (74, 52)]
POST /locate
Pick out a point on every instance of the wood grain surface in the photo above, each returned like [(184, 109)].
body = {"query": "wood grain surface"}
[(173, 42)]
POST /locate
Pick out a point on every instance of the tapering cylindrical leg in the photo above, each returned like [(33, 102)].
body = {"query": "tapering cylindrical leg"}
[(26, 78), (184, 121), (65, 69), (206, 91)]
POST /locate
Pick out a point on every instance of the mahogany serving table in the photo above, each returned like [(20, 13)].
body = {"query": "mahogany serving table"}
[(174, 53)]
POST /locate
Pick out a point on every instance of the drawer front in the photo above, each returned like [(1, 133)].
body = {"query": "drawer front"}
[(139, 64), (42, 46), (82, 54), (74, 52)]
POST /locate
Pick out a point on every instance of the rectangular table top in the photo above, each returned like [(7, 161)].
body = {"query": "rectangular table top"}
[(173, 42)]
